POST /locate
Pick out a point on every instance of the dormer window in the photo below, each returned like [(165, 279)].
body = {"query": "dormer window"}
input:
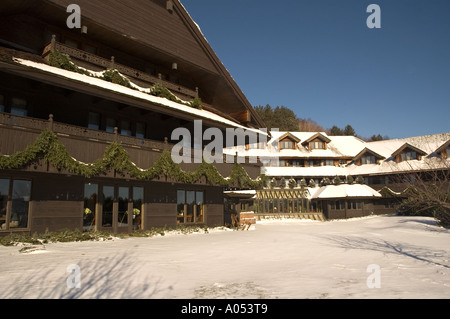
[(317, 142), (367, 156), (288, 142), (408, 153)]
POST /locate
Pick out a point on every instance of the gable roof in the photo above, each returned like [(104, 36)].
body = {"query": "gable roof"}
[(320, 136), (406, 146), (290, 136), (368, 150), (443, 147)]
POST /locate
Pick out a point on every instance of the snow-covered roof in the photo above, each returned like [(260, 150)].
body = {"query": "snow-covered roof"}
[(345, 191), (350, 147), (136, 93)]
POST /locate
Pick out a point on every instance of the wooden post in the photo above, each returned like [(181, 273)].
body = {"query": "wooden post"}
[(53, 43), (50, 122), (116, 134)]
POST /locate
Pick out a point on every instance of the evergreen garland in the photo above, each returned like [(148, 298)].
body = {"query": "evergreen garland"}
[(47, 147), (63, 61)]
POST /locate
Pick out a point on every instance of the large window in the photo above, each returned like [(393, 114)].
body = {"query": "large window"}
[(14, 204), (123, 204), (120, 206), (4, 194), (190, 207), (108, 205)]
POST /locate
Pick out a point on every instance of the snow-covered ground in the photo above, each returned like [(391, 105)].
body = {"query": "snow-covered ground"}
[(277, 259)]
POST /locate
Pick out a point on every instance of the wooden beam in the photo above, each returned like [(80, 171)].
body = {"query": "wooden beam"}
[(242, 117)]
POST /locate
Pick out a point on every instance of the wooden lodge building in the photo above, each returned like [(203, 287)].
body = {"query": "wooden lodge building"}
[(86, 116)]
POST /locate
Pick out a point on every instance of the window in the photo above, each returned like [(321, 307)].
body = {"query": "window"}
[(94, 121), (315, 163), (317, 145), (2, 103), (71, 43), (125, 128), (18, 193), (19, 107), (140, 130), (4, 194), (90, 49), (368, 159), (121, 206), (90, 206), (110, 125), (329, 163), (297, 163), (138, 207), (123, 201), (355, 205), (108, 203), (190, 207), (181, 201), (410, 155), (21, 194), (286, 144), (337, 205)]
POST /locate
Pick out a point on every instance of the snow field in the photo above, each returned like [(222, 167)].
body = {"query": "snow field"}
[(277, 259)]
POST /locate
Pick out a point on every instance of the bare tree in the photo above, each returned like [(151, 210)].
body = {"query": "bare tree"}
[(428, 188)]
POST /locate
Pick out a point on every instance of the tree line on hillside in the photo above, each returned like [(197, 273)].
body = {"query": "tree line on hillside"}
[(285, 119)]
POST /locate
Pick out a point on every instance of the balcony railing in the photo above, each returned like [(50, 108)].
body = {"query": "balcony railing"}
[(79, 133), (98, 61)]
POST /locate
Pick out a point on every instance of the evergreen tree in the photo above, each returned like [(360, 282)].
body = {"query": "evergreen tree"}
[(281, 118), (336, 131), (349, 131)]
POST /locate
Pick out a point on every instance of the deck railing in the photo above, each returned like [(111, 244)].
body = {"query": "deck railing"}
[(79, 133), (112, 64)]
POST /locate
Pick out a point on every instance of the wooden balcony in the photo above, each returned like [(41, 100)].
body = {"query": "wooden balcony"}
[(87, 145), (104, 64)]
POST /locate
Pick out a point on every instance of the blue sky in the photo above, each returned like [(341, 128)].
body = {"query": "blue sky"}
[(319, 58)]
